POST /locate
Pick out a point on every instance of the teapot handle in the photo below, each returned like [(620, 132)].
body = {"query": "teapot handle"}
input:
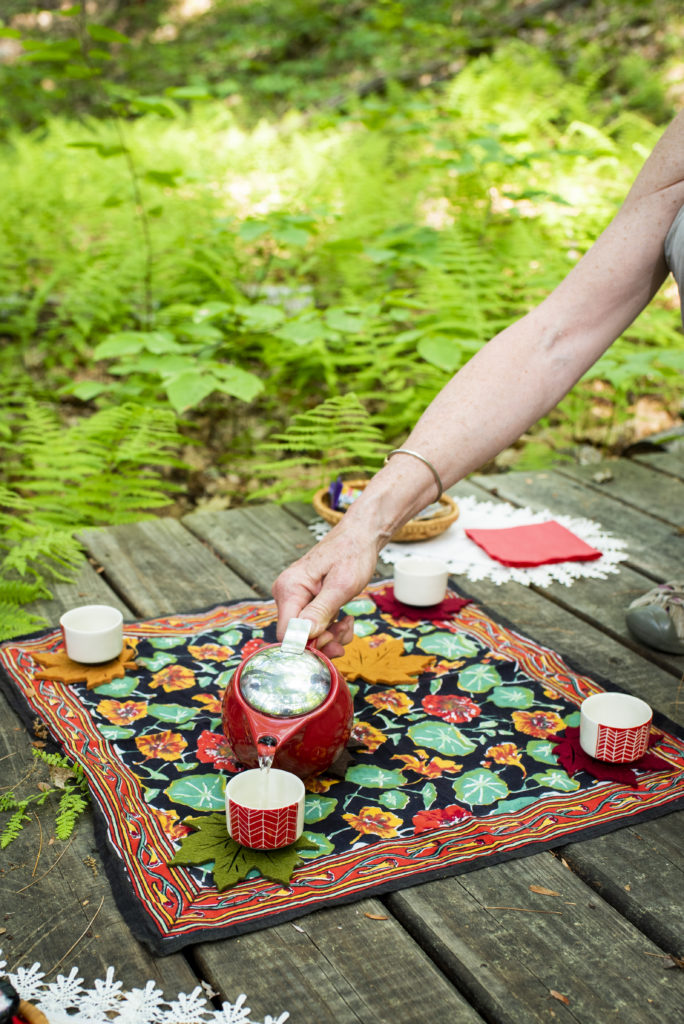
[(296, 636)]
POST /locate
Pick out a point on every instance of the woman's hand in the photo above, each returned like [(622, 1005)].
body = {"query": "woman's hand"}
[(317, 585)]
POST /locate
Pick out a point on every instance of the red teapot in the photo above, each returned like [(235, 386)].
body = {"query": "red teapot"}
[(287, 705)]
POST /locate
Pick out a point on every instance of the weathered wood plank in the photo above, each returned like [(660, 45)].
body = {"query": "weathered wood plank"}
[(338, 966), (159, 567), (87, 587), (639, 486), (257, 542), (51, 891), (665, 462), (509, 962), (640, 872)]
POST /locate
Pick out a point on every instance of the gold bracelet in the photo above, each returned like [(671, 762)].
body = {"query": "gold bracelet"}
[(417, 455)]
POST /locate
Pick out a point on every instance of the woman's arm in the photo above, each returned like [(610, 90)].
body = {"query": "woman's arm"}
[(506, 387)]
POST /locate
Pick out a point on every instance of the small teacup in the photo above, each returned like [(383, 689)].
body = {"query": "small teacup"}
[(92, 633), (265, 808), (615, 727), (420, 581)]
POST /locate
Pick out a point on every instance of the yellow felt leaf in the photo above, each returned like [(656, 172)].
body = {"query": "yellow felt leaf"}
[(385, 662)]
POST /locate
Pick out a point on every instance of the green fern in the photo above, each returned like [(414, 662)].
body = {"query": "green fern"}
[(334, 437), (68, 780)]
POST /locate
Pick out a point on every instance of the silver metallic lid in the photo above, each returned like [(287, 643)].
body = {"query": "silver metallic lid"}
[(286, 681)]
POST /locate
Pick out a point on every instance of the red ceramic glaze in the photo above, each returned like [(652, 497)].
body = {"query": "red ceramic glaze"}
[(305, 744)]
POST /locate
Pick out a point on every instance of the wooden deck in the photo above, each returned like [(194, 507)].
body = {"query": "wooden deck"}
[(442, 951)]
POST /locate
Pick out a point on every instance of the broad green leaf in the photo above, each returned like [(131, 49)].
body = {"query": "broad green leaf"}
[(450, 646), (443, 352), (102, 34), (260, 317), (372, 777), (317, 807), (154, 105), (202, 792), (478, 678), (188, 92), (480, 787), (393, 799), (441, 736), (512, 697), (237, 382), (341, 320), (189, 388)]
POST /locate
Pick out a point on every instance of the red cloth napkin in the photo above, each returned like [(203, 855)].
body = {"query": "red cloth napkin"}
[(574, 759), (539, 544), (387, 602)]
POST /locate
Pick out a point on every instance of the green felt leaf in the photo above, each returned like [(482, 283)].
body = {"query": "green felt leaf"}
[(210, 843)]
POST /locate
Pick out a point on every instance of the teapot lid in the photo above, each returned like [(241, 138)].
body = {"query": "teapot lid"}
[(286, 681)]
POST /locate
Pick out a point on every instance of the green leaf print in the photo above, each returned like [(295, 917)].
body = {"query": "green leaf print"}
[(394, 799), (542, 750), (361, 606), (115, 732), (429, 795), (556, 778), (573, 719), (373, 777), (202, 792), (512, 697), (322, 844), (172, 712), (318, 807), (228, 639), (480, 787), (364, 627), (441, 736), (478, 678), (118, 688), (165, 642), (157, 662), (509, 806), (450, 646)]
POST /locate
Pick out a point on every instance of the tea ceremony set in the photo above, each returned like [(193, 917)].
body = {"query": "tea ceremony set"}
[(472, 816)]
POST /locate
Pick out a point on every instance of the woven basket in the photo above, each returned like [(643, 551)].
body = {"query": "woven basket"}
[(415, 529)]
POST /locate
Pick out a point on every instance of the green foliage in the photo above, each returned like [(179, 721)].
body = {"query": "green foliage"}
[(336, 436), (66, 781)]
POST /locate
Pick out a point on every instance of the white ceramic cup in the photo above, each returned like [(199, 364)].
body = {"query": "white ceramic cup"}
[(265, 808), (92, 633), (420, 581), (615, 727)]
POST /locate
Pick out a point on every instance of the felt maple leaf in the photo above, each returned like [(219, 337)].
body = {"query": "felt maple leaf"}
[(232, 862), (59, 667), (381, 662)]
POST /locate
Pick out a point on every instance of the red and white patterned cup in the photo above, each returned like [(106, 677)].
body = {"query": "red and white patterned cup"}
[(265, 808), (615, 727)]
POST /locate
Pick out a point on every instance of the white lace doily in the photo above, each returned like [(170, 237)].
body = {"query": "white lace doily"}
[(66, 1001), (465, 558)]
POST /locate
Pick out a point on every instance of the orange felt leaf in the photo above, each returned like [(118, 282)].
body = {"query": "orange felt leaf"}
[(365, 658), (59, 668)]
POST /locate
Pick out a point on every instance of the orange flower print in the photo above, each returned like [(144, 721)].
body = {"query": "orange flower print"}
[(368, 735), (211, 652), (432, 769), (506, 753), (374, 821), (173, 677), (391, 700), (425, 821), (538, 723), (451, 708), (171, 824), (122, 712), (212, 702), (165, 745)]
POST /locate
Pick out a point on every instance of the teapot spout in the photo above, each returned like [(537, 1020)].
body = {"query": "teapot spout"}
[(266, 750)]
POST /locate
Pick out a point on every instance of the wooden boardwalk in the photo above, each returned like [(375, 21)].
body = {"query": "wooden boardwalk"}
[(446, 951)]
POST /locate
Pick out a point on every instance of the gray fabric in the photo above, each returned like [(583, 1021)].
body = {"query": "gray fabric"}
[(674, 253)]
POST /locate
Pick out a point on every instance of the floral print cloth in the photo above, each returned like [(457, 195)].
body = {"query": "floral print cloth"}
[(452, 763)]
